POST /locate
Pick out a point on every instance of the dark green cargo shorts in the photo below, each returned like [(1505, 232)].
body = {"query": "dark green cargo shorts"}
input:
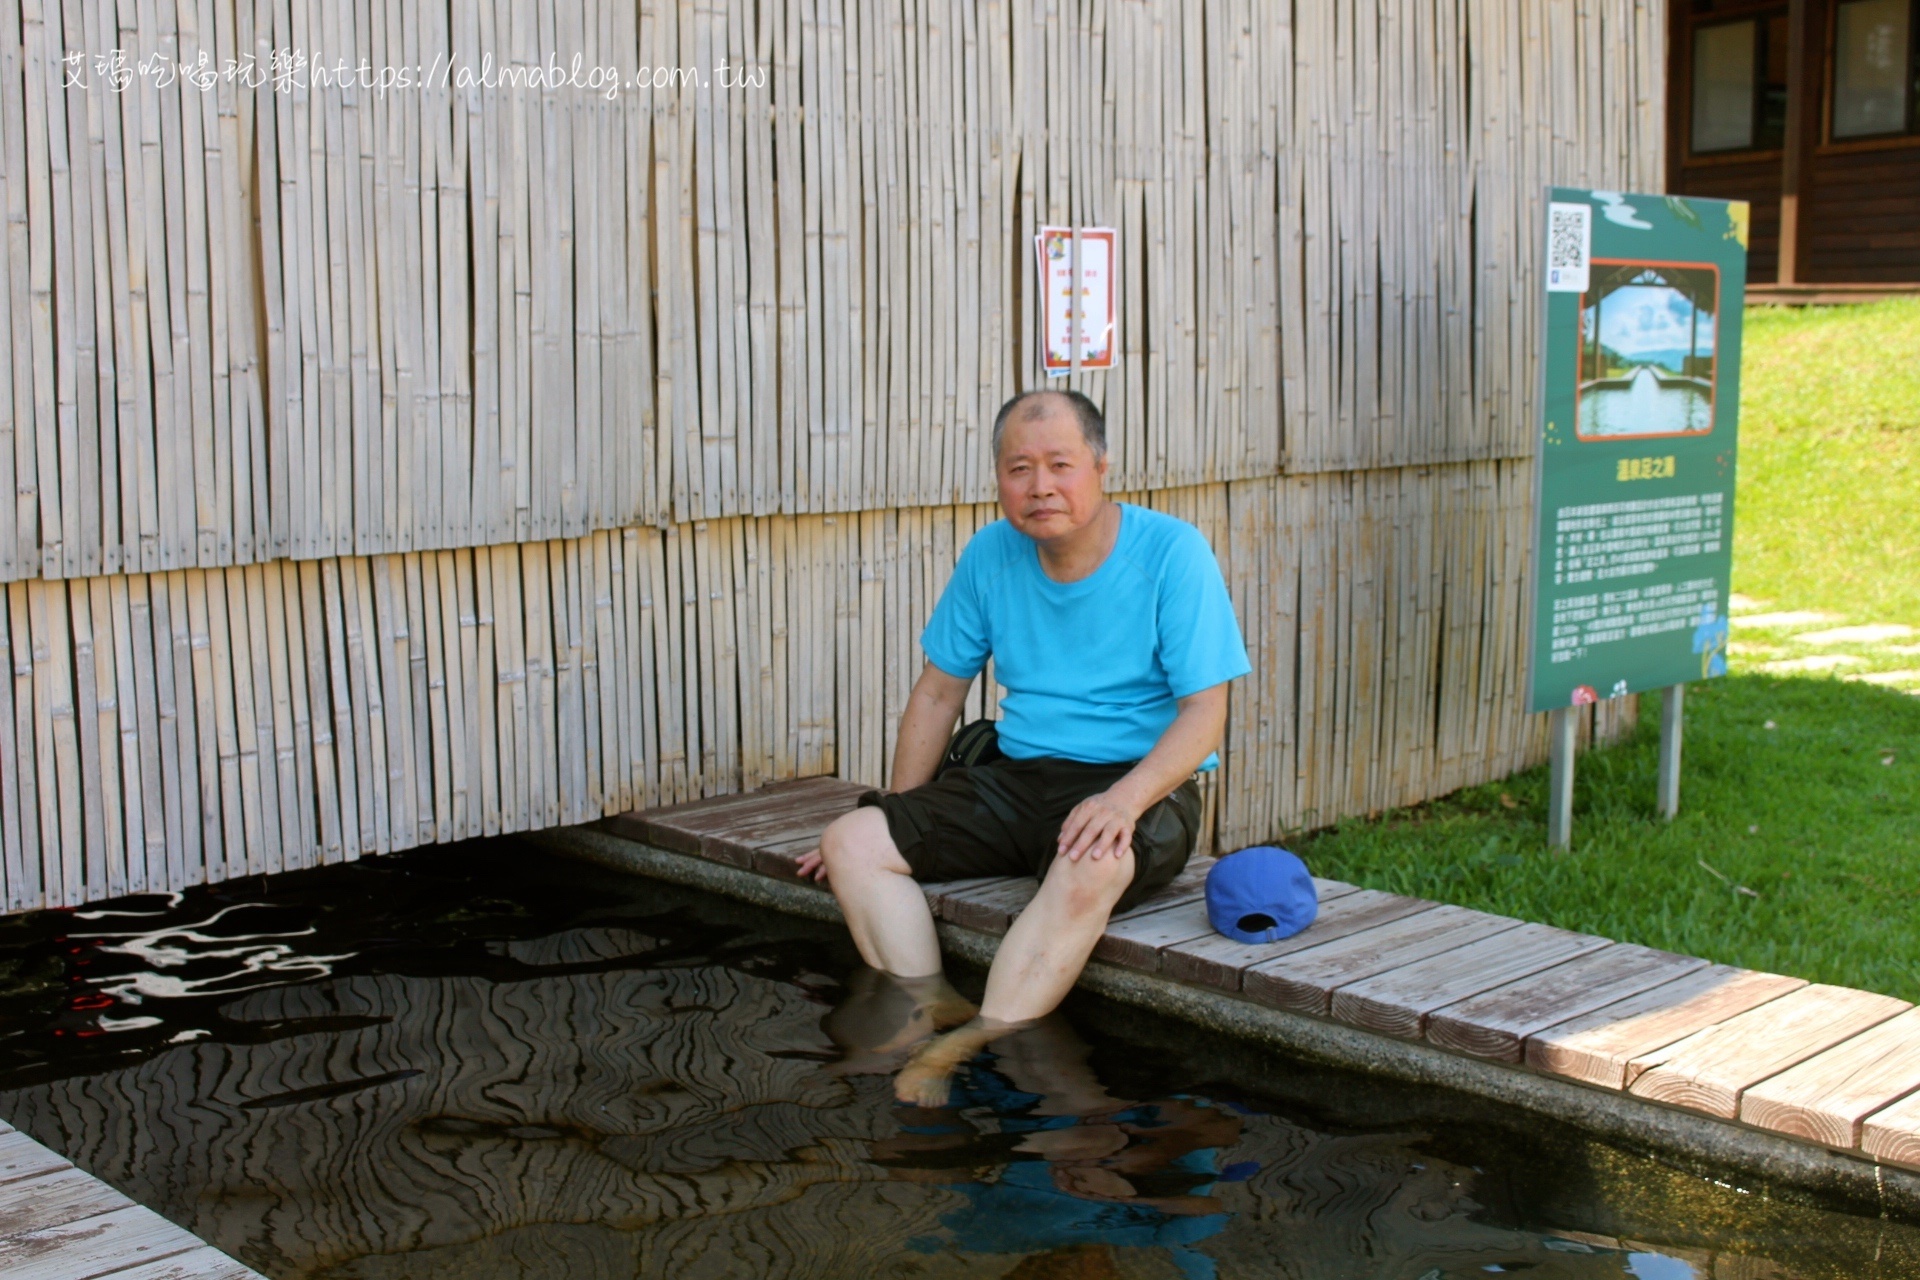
[(1003, 818)]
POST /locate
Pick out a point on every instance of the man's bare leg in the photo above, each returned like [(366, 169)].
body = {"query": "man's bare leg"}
[(1038, 962), (882, 1018), (885, 908)]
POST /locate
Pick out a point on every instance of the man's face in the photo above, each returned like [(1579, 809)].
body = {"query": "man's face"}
[(1050, 482)]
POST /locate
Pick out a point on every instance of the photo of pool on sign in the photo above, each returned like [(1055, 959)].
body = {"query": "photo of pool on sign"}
[(1647, 350)]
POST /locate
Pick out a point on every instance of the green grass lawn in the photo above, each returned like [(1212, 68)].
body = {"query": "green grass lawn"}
[(1827, 515), (1798, 844)]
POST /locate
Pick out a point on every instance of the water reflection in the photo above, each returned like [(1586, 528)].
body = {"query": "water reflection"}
[(480, 1062), (1645, 404), (883, 1018), (1045, 1156), (1050, 1164)]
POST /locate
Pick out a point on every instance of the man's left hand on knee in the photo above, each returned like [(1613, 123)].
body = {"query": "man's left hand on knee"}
[(1099, 826)]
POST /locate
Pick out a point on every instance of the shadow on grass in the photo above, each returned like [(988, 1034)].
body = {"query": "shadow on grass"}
[(1797, 848)]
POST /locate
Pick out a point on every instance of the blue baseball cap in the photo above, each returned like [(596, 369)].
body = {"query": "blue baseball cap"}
[(1262, 894)]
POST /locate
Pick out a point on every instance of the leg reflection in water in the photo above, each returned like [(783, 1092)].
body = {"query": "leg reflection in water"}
[(883, 1018), (1049, 1160)]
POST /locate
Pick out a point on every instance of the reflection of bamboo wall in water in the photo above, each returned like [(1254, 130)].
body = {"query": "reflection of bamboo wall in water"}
[(636, 1122), (507, 456), (625, 1100)]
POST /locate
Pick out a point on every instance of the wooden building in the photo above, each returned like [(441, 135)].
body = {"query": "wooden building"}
[(590, 422), (1809, 109)]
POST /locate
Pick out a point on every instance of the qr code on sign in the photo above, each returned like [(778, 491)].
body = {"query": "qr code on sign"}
[(1569, 247)]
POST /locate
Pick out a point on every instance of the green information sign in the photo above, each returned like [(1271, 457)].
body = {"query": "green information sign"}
[(1640, 405)]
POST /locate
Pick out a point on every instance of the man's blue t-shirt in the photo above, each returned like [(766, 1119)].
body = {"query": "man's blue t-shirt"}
[(1091, 668)]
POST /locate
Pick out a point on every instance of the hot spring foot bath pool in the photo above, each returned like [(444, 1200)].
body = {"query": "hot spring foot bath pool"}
[(486, 1060)]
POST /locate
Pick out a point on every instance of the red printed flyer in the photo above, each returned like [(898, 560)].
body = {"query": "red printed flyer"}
[(1079, 297)]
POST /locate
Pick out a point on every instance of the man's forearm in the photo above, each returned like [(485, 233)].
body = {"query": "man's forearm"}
[(1194, 735), (925, 729)]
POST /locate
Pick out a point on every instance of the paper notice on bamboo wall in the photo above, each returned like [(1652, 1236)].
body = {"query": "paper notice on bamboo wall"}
[(1079, 297)]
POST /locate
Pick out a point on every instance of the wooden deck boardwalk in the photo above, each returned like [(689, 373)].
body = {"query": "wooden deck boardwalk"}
[(62, 1223), (1821, 1064)]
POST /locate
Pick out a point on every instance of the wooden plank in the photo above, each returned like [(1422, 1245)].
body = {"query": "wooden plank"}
[(1399, 1001), (990, 907), (1711, 1069), (1599, 1047), (55, 1199), (1189, 885), (687, 821), (203, 1263), (803, 821), (1827, 1097), (1305, 981), (1496, 1023), (779, 820), (782, 861), (682, 827), (1219, 961), (775, 797), (1136, 941), (1893, 1134), (93, 1246), (21, 1157)]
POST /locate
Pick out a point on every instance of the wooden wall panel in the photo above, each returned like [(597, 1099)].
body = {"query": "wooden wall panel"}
[(1861, 205), (1758, 183), (253, 316), (165, 730)]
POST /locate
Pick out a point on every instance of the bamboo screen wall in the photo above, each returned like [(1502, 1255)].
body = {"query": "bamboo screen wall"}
[(404, 466)]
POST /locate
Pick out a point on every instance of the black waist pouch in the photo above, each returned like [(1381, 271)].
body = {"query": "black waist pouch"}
[(976, 744)]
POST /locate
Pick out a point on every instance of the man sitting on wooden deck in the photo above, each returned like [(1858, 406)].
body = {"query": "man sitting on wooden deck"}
[(1113, 636)]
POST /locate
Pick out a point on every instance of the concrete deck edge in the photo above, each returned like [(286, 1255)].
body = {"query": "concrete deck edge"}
[(1781, 1164)]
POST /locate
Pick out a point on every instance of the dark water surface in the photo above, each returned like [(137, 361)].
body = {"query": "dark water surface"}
[(485, 1061)]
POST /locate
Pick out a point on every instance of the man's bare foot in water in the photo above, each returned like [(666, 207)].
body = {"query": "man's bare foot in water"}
[(927, 1079), (884, 1016)]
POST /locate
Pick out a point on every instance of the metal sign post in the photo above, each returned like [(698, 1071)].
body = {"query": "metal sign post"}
[(1561, 734), (1670, 708)]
